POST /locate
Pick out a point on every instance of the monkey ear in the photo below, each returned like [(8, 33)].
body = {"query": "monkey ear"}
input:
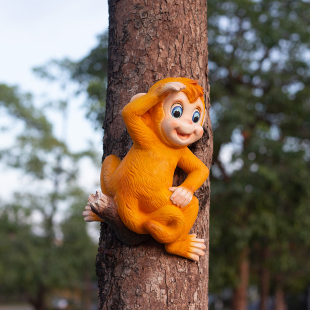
[(137, 96)]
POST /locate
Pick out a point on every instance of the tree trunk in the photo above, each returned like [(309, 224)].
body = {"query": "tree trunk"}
[(264, 281), (240, 294), (149, 41), (87, 292), (38, 302), (280, 303)]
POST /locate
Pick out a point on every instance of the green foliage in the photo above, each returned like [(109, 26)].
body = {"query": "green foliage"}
[(21, 107), (91, 75), (31, 261), (259, 76), (44, 244)]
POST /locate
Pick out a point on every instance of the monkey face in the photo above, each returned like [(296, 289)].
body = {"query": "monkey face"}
[(182, 124)]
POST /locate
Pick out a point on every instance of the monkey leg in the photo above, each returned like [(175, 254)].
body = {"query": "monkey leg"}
[(108, 167), (165, 224), (188, 245), (106, 208)]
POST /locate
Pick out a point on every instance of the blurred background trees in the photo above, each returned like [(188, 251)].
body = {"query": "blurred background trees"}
[(259, 75), (44, 245), (260, 226)]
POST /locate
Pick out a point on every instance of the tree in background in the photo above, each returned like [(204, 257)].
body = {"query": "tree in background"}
[(259, 77), (90, 73), (38, 252)]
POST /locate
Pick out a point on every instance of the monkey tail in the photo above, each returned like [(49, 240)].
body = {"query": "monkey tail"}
[(108, 168)]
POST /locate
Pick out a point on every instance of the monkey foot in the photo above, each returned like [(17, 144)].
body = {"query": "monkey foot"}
[(105, 208), (191, 247), (89, 215)]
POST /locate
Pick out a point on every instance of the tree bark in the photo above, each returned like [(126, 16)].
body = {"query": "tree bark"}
[(264, 281), (240, 294), (38, 301), (149, 41)]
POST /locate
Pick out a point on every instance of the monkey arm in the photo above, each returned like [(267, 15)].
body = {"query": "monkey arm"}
[(135, 119), (139, 105), (197, 171)]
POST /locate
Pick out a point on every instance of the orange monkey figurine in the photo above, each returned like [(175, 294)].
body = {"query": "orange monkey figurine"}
[(137, 198)]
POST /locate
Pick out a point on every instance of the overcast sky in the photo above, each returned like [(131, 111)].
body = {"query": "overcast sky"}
[(31, 33), (34, 31)]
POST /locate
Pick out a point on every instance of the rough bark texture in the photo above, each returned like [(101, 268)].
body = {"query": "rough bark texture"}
[(240, 296), (149, 41)]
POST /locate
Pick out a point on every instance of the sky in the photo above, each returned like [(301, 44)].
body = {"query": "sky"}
[(32, 32)]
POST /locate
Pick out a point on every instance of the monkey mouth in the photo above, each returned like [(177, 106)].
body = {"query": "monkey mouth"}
[(183, 136)]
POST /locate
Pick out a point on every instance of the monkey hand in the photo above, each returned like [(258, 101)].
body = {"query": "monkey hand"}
[(166, 89), (181, 196), (137, 96)]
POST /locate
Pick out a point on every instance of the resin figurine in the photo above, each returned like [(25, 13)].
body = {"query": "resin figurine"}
[(137, 198)]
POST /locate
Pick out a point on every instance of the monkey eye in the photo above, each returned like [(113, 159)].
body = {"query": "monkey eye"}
[(176, 111), (196, 116)]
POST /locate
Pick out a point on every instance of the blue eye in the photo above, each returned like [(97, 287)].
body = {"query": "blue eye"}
[(196, 116), (177, 111)]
